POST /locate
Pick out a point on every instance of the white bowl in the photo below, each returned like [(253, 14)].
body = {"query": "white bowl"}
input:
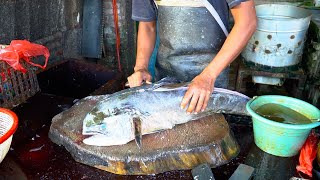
[(4, 148), (8, 126)]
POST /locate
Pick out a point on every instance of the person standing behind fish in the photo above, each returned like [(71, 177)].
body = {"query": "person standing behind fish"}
[(193, 47)]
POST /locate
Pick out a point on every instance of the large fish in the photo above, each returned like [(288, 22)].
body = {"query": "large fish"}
[(156, 106)]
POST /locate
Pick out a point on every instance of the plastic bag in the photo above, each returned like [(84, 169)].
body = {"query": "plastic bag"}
[(308, 154), (23, 49)]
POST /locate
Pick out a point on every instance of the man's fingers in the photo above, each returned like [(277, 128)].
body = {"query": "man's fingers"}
[(193, 103), (205, 102), (134, 81), (198, 94), (200, 102), (148, 79), (138, 78), (186, 99), (128, 83)]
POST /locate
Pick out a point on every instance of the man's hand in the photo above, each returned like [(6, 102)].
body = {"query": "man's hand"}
[(145, 46), (198, 93), (138, 77), (201, 87)]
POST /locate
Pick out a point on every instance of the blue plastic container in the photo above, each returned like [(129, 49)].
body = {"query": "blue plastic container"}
[(281, 139)]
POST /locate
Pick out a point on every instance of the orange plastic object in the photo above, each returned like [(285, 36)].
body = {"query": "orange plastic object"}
[(116, 26), (308, 154), (4, 121)]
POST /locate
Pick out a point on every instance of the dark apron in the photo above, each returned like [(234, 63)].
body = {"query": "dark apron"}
[(189, 40)]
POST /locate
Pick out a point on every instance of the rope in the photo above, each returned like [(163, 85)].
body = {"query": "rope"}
[(116, 26)]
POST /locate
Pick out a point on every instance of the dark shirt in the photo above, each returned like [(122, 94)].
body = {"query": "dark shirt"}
[(145, 10)]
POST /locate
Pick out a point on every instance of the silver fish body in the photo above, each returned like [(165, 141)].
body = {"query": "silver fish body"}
[(110, 122)]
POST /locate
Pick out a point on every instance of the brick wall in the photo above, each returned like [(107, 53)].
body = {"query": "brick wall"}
[(57, 24), (53, 23)]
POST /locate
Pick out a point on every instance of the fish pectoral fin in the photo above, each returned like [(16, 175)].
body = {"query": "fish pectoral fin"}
[(137, 131), (167, 80)]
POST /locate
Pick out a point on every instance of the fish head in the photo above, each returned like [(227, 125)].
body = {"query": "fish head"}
[(109, 125), (109, 115)]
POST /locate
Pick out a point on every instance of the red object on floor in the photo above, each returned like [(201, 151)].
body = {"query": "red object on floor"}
[(23, 49), (308, 154)]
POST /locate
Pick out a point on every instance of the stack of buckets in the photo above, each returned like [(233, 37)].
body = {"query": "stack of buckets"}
[(278, 42)]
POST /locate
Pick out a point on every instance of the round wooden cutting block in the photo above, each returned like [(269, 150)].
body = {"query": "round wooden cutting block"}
[(206, 140)]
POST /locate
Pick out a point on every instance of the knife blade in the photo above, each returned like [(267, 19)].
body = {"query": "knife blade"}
[(137, 131)]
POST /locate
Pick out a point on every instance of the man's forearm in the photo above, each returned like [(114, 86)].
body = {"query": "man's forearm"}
[(145, 45), (245, 25)]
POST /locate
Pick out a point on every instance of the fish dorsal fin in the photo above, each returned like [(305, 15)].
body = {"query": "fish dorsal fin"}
[(172, 87), (169, 84), (227, 91), (167, 80)]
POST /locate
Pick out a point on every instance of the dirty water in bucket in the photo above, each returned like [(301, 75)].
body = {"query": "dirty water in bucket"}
[(282, 114)]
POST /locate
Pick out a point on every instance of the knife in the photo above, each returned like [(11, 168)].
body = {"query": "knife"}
[(137, 131)]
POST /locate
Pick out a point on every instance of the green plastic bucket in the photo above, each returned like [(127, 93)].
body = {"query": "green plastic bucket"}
[(276, 138)]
